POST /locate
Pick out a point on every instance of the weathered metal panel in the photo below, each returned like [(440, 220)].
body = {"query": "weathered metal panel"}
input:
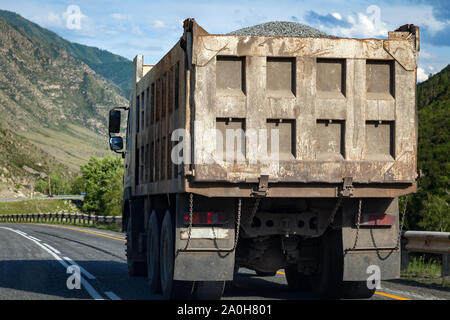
[(317, 94), (333, 88)]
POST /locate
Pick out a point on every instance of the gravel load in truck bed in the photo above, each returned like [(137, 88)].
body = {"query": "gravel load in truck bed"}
[(281, 29)]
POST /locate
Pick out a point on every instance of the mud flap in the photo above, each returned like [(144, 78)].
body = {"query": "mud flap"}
[(375, 246), (359, 266), (204, 266), (209, 254)]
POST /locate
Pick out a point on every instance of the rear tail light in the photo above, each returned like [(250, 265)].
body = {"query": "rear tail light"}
[(206, 218), (371, 220)]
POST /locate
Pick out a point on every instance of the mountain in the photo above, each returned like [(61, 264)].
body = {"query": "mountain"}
[(51, 98), (112, 67), (434, 130), (429, 208), (22, 164)]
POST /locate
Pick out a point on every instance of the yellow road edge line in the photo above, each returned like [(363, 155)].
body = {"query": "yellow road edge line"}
[(98, 234), (390, 296), (376, 292)]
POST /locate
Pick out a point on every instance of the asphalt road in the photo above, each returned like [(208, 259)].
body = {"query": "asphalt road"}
[(34, 260)]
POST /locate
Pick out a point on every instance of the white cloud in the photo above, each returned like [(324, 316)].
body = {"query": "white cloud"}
[(337, 15), (421, 75), (159, 24), (367, 25)]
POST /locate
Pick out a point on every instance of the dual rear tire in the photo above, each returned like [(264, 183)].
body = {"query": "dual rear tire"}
[(136, 268), (328, 282), (160, 265)]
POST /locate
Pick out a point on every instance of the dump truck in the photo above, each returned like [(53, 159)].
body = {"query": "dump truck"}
[(269, 153)]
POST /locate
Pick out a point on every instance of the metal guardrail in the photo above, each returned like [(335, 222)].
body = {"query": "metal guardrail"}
[(427, 242), (62, 217)]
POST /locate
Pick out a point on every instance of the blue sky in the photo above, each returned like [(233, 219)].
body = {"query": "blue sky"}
[(151, 28)]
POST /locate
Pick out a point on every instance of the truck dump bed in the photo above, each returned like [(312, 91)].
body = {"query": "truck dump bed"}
[(343, 108)]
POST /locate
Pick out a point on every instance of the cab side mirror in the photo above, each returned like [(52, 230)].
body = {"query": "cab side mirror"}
[(114, 121), (116, 143)]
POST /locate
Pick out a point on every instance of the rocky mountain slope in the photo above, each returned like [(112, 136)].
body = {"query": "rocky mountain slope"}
[(110, 66), (53, 105)]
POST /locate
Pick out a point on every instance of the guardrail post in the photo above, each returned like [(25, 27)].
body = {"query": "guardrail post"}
[(446, 267), (404, 258)]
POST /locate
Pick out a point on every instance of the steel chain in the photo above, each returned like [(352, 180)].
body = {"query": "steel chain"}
[(236, 236), (238, 224), (401, 224), (191, 210), (358, 223)]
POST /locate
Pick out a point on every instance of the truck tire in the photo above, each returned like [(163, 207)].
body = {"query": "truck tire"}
[(171, 289), (153, 234), (208, 290), (135, 268), (296, 280), (329, 284)]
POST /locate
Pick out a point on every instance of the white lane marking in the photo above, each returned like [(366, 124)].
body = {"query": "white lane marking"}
[(94, 294), (33, 238), (51, 248), (83, 270), (112, 295)]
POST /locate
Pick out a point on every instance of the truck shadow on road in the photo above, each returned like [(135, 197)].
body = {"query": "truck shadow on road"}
[(47, 279), (251, 286)]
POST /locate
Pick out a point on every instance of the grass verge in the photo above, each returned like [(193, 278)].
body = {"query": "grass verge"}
[(38, 206), (425, 269)]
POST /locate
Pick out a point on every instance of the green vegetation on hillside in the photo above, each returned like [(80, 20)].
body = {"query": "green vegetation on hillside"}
[(101, 180), (111, 66), (22, 164), (429, 208), (52, 99)]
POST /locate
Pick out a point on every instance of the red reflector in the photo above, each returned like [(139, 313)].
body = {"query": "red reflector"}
[(209, 218), (206, 218), (377, 220)]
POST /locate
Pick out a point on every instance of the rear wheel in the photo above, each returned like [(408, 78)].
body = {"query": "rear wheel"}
[(208, 290), (328, 283), (135, 268), (153, 275), (296, 280), (171, 289)]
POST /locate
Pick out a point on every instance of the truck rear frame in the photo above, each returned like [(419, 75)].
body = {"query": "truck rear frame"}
[(346, 114)]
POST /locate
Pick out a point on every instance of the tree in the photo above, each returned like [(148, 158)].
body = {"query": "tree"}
[(435, 214), (58, 184), (113, 196), (101, 180)]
